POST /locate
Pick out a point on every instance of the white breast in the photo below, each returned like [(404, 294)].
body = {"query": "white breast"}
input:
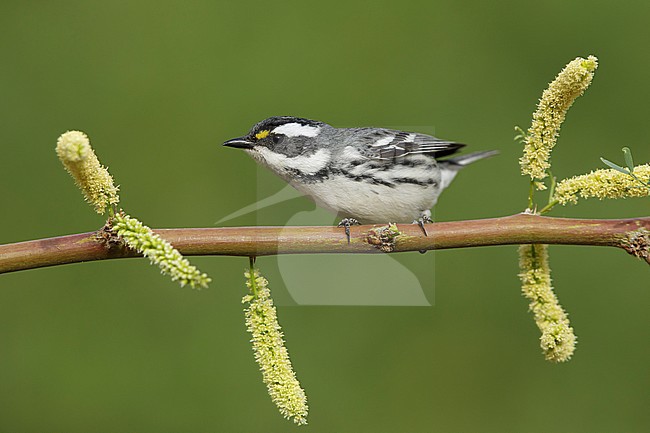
[(371, 203)]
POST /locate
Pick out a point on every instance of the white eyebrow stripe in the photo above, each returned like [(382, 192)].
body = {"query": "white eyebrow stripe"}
[(297, 130), (309, 164), (383, 141)]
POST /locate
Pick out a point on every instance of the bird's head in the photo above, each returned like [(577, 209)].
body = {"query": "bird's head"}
[(286, 143)]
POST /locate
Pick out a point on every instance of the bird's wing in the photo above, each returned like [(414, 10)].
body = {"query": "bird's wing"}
[(391, 144)]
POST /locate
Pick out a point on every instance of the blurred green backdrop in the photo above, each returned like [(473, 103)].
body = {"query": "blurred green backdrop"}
[(158, 85)]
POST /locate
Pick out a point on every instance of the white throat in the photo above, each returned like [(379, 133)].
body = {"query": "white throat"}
[(308, 164)]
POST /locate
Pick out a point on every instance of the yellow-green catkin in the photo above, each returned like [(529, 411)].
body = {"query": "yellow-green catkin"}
[(557, 340), (74, 151), (161, 253), (270, 352), (570, 83), (605, 183)]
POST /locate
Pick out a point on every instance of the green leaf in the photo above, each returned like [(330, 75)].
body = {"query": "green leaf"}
[(615, 167), (521, 136), (627, 153)]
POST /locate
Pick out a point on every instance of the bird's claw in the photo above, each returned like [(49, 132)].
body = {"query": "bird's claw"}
[(421, 221), (347, 222)]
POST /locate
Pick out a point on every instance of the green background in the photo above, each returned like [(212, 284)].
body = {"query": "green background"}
[(158, 85)]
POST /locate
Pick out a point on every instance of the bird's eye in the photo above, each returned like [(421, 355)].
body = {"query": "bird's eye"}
[(277, 138)]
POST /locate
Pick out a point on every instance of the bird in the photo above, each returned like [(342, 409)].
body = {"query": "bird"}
[(365, 175)]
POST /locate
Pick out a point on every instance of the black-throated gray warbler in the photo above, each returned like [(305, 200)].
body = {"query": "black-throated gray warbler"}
[(366, 175)]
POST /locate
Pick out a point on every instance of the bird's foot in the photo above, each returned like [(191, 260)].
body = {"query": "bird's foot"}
[(421, 221), (347, 222)]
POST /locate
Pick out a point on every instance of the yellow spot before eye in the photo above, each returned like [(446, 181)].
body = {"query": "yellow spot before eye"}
[(262, 134)]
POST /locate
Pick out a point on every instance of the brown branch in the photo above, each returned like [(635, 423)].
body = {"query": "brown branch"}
[(633, 235)]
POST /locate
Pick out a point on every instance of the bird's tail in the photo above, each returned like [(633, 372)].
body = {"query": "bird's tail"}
[(450, 167), (463, 160)]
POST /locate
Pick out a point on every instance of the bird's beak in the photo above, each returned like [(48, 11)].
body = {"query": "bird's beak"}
[(239, 143)]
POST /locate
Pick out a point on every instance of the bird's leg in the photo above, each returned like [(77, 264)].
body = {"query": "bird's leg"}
[(347, 222), (425, 218)]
